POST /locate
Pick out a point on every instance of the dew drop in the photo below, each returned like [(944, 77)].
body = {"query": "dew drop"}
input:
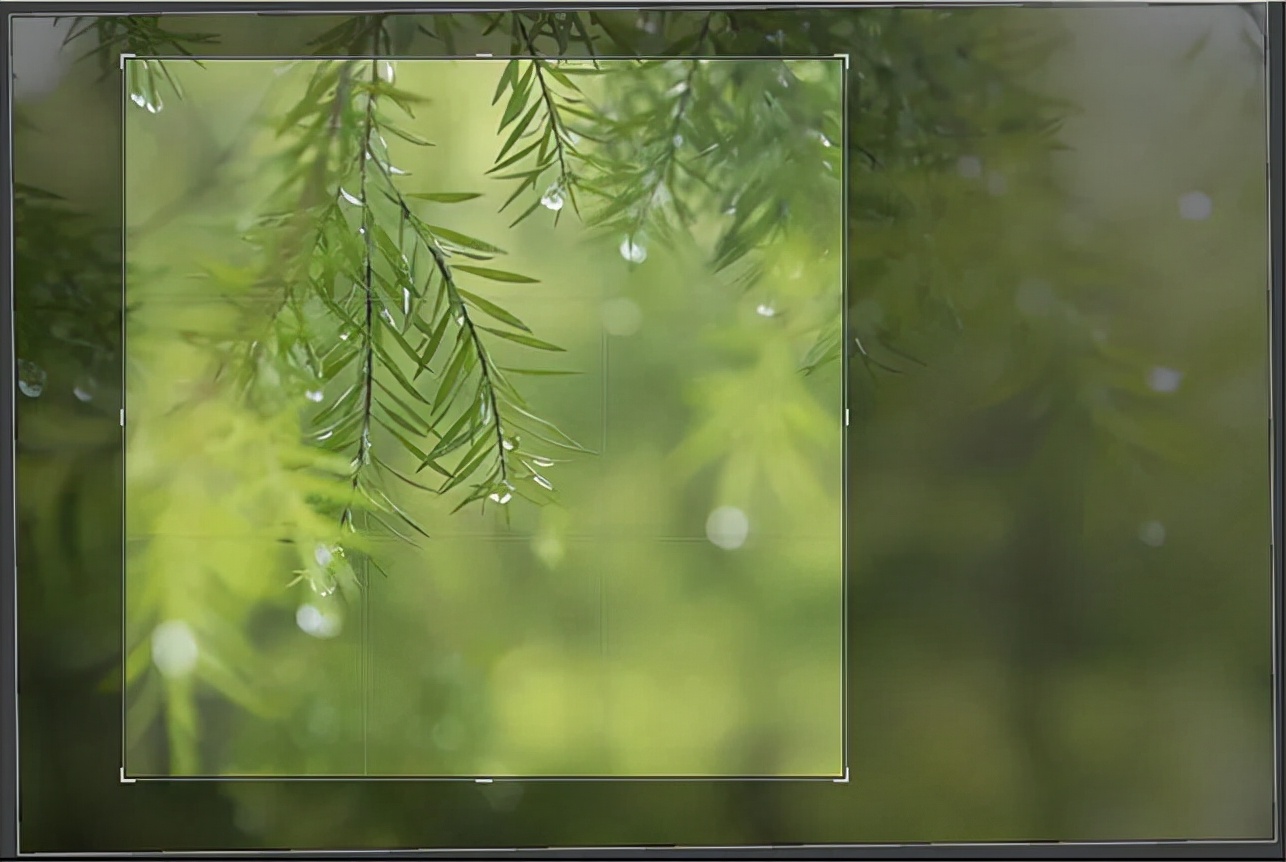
[(549, 549), (826, 142), (343, 193), (677, 140), (318, 623), (502, 496), (727, 528), (174, 649), (542, 482), (31, 378), (621, 317), (969, 167), (85, 389), (387, 317), (314, 395), (632, 251), (542, 462), (343, 336), (508, 444), (1152, 534), (323, 555), (1161, 379), (1195, 206), (553, 199), (406, 301), (765, 310), (152, 106), (386, 71)]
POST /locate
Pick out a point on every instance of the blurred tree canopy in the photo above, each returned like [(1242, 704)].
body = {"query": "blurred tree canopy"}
[(1059, 532)]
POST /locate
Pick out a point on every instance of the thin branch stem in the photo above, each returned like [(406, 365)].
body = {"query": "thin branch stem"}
[(484, 360), (312, 193), (456, 302), (368, 335), (551, 109), (664, 167)]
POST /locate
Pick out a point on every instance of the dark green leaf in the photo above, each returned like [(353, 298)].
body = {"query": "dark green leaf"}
[(463, 352), (492, 309), (523, 339), (459, 239), (405, 135), (506, 78), (540, 372), (496, 274), (431, 347), (445, 197)]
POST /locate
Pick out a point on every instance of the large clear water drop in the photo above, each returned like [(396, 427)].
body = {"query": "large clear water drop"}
[(633, 251), (553, 199), (31, 379)]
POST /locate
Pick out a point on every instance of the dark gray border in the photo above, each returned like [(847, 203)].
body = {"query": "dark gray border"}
[(8, 497), (844, 775), (1276, 41)]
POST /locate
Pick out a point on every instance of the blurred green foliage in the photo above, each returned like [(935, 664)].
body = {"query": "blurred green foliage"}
[(1059, 518), (600, 636)]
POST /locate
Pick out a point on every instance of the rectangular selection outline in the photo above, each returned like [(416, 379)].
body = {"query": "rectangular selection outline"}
[(845, 775), (1275, 86)]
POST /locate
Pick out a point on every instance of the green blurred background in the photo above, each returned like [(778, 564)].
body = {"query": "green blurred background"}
[(1060, 581), (677, 612)]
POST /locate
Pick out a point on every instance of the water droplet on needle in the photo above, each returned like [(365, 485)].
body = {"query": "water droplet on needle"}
[(85, 389), (31, 378), (553, 199), (323, 555), (318, 623), (632, 251)]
